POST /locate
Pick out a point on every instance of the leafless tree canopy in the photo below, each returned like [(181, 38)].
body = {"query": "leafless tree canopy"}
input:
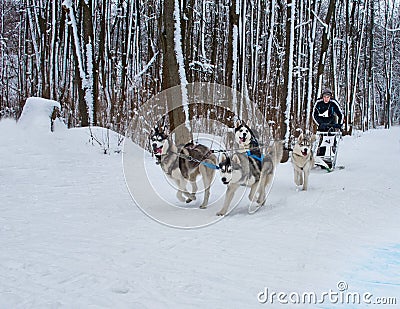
[(103, 59)]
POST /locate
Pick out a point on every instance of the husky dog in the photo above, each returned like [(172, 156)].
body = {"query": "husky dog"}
[(303, 159), (183, 164), (245, 168), (246, 139), (247, 142), (157, 139)]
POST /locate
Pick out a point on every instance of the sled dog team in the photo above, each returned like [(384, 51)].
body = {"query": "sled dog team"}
[(246, 166)]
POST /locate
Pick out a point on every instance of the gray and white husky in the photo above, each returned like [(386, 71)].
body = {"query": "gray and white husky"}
[(303, 159), (248, 167), (183, 164)]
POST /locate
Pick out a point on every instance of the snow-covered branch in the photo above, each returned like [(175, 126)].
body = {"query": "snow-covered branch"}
[(320, 20)]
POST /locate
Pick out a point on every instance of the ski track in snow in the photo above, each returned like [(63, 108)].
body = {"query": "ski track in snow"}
[(71, 236)]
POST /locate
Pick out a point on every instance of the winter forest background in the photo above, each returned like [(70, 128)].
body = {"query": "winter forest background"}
[(103, 59)]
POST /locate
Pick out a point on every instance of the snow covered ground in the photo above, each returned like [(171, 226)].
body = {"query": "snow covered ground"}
[(71, 235)]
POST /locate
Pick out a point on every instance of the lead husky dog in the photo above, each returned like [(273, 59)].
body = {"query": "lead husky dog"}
[(183, 164), (303, 159), (248, 167)]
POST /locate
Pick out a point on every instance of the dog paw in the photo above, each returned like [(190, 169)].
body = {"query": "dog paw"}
[(261, 202), (203, 207), (221, 213), (190, 197)]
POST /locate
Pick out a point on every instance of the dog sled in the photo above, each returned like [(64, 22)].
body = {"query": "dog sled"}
[(327, 147)]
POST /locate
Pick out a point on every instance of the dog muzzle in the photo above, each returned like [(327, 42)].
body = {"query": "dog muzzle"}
[(157, 150), (225, 181)]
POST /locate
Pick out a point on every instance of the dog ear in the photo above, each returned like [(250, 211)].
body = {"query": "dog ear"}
[(301, 137), (237, 124), (236, 159), (222, 158)]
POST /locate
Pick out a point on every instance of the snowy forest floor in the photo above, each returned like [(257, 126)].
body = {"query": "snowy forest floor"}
[(71, 235)]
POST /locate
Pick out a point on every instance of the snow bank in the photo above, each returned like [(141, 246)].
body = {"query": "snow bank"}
[(36, 115), (34, 127)]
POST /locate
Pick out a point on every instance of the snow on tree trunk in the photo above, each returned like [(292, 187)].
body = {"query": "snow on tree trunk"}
[(243, 57), (89, 82), (311, 43), (256, 51), (237, 109), (292, 7), (271, 27), (35, 47), (355, 82), (86, 77), (181, 65), (325, 44), (312, 34), (53, 54)]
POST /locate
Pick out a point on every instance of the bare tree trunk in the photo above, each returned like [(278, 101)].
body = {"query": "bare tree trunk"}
[(288, 75), (171, 72), (84, 59), (232, 47), (311, 44), (325, 44)]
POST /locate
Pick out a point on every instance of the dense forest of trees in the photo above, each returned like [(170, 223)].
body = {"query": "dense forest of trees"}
[(102, 59)]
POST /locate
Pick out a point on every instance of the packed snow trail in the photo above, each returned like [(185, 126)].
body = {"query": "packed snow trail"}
[(71, 236)]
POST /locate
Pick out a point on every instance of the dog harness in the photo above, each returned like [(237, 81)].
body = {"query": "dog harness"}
[(248, 152), (190, 158)]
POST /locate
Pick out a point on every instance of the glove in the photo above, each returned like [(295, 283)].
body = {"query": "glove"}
[(337, 125)]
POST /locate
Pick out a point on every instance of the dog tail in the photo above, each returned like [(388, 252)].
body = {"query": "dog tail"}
[(277, 152)]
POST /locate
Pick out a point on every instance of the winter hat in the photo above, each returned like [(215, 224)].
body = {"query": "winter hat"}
[(327, 91)]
